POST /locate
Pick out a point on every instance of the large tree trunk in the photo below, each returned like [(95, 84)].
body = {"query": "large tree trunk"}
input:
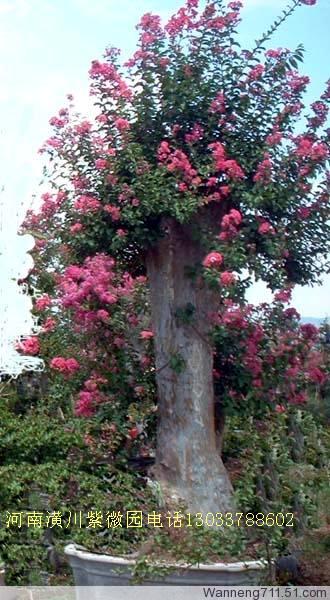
[(188, 465)]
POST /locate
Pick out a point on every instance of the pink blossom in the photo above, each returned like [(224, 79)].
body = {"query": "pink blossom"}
[(164, 151), (146, 334), (213, 260), (86, 204), (29, 346), (76, 227), (74, 272), (306, 148), (103, 70), (283, 296), (122, 124), (49, 325), (218, 104), (195, 135), (237, 5), (291, 313), (316, 375), (224, 190), (296, 82), (299, 398), (230, 167), (54, 142), (263, 172), (85, 406), (279, 408), (67, 366), (119, 342), (309, 331), (83, 127), (72, 365), (304, 212), (101, 163), (274, 138), (308, 2), (274, 53), (233, 218), (150, 22), (102, 118), (103, 315), (43, 302), (227, 278), (114, 211), (177, 23), (256, 72), (56, 122), (265, 228)]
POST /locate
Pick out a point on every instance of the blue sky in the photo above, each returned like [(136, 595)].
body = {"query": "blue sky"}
[(46, 47)]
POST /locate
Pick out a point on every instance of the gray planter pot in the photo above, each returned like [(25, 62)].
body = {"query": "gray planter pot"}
[(103, 570)]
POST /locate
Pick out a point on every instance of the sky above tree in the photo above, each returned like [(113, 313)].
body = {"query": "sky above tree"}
[(46, 48)]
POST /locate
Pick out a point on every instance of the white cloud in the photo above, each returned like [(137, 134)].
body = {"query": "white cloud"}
[(19, 7)]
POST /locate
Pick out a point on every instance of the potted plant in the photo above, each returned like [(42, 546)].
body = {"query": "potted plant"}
[(190, 179), (102, 570)]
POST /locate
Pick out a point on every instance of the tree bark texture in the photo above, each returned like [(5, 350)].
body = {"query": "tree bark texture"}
[(188, 465)]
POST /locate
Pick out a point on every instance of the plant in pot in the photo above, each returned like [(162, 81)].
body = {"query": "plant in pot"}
[(189, 183)]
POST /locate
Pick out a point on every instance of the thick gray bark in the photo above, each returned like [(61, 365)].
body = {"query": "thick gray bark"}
[(188, 465)]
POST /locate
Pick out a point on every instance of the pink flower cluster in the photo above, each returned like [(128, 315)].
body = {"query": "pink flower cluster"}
[(227, 278), (114, 211), (275, 137), (151, 27), (51, 203), (90, 397), (263, 173), (275, 53), (283, 295), (213, 260), (256, 73), (177, 162), (296, 82), (49, 325), (218, 105), (195, 135), (307, 148), (229, 224), (94, 279), (108, 79), (66, 366), (122, 124), (146, 334), (30, 346), (234, 317), (76, 228), (321, 112), (178, 23), (229, 167), (101, 163), (265, 227), (87, 204), (43, 302), (104, 70), (83, 127)]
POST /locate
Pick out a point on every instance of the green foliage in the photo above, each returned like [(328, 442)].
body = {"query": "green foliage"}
[(46, 466)]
